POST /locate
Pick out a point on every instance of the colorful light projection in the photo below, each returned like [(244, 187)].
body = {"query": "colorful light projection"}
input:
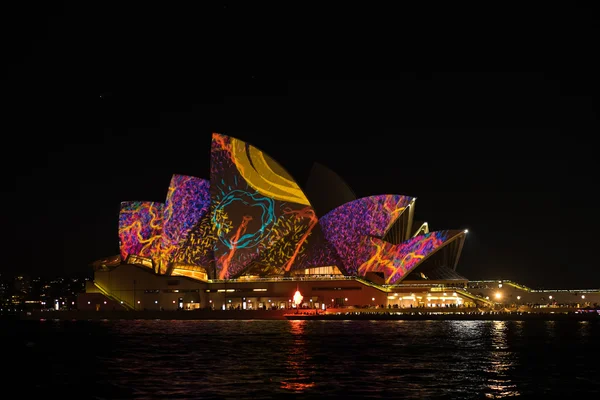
[(396, 261), (188, 200), (265, 209), (140, 227), (287, 242), (201, 240), (345, 226)]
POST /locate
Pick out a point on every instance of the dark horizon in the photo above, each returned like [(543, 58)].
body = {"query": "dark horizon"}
[(507, 155)]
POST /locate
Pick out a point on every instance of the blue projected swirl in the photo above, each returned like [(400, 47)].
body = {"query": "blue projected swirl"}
[(250, 200)]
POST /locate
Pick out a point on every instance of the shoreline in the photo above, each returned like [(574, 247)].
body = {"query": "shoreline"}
[(448, 317), (339, 315)]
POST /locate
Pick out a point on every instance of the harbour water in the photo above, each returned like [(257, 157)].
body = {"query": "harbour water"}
[(264, 359)]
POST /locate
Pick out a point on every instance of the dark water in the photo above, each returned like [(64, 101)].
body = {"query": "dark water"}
[(301, 359)]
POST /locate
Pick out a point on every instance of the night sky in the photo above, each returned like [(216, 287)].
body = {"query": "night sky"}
[(96, 118)]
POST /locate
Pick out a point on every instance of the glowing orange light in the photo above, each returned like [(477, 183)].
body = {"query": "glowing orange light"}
[(298, 297)]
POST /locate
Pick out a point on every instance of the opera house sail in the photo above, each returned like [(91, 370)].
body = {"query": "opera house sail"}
[(251, 219)]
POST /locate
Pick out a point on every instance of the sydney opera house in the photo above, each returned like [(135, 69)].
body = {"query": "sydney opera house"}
[(250, 236)]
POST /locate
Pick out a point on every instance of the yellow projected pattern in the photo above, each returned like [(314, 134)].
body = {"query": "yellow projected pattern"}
[(199, 275), (261, 177)]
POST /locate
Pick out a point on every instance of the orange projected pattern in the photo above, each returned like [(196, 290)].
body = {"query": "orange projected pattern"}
[(395, 261), (226, 258), (140, 227)]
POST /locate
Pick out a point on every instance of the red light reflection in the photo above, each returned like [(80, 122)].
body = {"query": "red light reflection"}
[(298, 360)]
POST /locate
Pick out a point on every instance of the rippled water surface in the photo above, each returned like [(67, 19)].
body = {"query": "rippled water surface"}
[(301, 359)]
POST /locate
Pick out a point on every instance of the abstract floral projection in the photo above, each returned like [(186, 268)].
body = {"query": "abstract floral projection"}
[(396, 261), (140, 227), (252, 218), (345, 226)]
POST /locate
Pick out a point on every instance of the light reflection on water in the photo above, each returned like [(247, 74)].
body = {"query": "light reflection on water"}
[(502, 362), (306, 359), (299, 360)]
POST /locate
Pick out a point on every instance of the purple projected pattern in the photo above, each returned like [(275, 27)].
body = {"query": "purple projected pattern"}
[(188, 200), (140, 226), (369, 216), (395, 261)]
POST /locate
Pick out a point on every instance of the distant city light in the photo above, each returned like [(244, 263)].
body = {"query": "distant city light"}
[(466, 231), (498, 295)]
